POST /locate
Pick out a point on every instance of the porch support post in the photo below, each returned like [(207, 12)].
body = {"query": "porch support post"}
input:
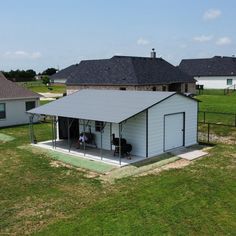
[(53, 134), (120, 144), (147, 133), (78, 133), (68, 133), (55, 131), (111, 136), (84, 135), (101, 130), (30, 129)]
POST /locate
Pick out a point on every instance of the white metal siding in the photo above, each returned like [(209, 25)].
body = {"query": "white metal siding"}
[(106, 143), (175, 104), (16, 113), (215, 82), (134, 131)]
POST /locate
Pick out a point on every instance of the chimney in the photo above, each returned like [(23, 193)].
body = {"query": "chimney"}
[(153, 53)]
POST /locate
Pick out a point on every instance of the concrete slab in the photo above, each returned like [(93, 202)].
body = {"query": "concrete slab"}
[(188, 154)]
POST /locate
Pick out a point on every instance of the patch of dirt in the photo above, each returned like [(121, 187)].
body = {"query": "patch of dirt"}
[(88, 174), (173, 165), (218, 139)]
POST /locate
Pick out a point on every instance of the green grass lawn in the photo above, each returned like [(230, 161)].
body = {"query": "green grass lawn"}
[(215, 101), (41, 199), (218, 103), (39, 87)]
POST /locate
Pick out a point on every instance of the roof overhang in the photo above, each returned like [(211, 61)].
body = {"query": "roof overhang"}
[(103, 105)]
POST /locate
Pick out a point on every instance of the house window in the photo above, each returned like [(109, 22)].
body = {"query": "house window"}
[(154, 89), (163, 88), (99, 126), (229, 81), (2, 110), (122, 88), (185, 88), (29, 105)]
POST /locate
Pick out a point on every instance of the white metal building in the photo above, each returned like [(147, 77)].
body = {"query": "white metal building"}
[(14, 102), (152, 122)]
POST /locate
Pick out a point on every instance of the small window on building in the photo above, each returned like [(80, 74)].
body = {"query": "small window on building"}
[(163, 88), (29, 105), (185, 88), (98, 126), (154, 89), (122, 88), (2, 110), (229, 81)]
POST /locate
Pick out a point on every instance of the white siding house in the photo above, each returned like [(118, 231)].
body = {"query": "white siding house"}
[(152, 122), (216, 82), (14, 103), (213, 73), (15, 111)]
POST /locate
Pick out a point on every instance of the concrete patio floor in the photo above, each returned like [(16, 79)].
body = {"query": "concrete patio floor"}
[(90, 153)]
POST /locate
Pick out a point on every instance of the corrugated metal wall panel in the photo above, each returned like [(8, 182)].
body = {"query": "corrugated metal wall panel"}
[(134, 131), (105, 135), (156, 114)]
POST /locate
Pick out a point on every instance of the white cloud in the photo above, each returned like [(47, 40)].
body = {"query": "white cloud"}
[(223, 41), (142, 41), (22, 55), (203, 38), (212, 14)]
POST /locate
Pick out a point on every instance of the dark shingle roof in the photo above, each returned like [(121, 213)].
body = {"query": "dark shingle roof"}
[(215, 66), (63, 74), (125, 70), (11, 90)]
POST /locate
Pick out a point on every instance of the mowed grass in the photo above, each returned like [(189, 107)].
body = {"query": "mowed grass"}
[(215, 101), (218, 103), (41, 199), (39, 87)]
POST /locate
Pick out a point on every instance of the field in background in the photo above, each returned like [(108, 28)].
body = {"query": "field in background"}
[(39, 87), (215, 100), (217, 107)]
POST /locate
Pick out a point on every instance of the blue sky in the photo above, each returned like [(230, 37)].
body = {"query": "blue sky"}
[(57, 33)]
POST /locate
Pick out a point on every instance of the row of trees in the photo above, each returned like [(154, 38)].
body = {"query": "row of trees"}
[(27, 75)]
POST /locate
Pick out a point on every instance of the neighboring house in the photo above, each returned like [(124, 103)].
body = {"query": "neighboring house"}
[(127, 73), (61, 76), (152, 122), (214, 73), (14, 102)]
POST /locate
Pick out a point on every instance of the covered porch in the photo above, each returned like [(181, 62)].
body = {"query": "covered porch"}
[(111, 121), (91, 153)]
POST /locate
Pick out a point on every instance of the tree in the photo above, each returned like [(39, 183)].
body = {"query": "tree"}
[(46, 80), (49, 71), (20, 75)]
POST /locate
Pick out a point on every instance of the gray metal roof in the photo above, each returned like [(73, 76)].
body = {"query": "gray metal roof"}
[(102, 105)]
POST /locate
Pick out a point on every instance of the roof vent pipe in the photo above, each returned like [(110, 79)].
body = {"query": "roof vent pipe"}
[(153, 53)]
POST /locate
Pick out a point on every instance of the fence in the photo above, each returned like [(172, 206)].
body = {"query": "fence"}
[(217, 127), (230, 89)]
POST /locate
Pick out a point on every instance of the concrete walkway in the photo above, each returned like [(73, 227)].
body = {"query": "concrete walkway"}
[(189, 153), (50, 96)]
